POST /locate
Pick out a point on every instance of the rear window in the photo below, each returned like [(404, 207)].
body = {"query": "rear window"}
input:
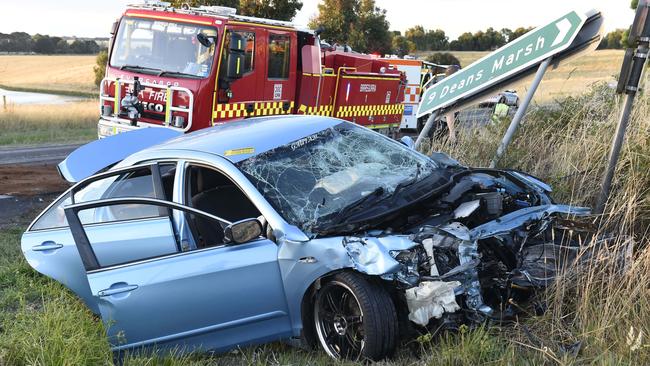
[(54, 217), (138, 183)]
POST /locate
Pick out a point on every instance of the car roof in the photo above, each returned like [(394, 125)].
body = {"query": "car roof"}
[(237, 141)]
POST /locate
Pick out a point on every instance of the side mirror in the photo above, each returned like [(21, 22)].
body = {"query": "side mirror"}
[(114, 27), (408, 141), (205, 40), (243, 231)]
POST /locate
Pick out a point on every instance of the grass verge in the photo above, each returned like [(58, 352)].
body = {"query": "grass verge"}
[(599, 315), (38, 124)]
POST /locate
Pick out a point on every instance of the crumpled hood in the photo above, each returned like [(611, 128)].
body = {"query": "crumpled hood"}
[(372, 255)]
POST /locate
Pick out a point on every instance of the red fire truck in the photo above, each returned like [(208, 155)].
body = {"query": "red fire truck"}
[(191, 68)]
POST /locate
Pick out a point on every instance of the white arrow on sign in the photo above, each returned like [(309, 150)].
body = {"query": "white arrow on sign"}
[(564, 26)]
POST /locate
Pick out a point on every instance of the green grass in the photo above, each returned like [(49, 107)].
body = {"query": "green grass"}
[(38, 124)]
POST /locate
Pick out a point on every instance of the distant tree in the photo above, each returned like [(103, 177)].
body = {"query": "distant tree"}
[(337, 18), (62, 46), (371, 33), (43, 45), (613, 40), (16, 42), (271, 9), (417, 35), (480, 41), (518, 33), (427, 40), (358, 23), (437, 40), (634, 4), (100, 68), (402, 46), (507, 34), (443, 58)]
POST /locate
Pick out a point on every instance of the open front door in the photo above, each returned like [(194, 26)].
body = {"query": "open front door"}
[(153, 292)]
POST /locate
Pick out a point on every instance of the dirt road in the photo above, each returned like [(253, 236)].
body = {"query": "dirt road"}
[(25, 190)]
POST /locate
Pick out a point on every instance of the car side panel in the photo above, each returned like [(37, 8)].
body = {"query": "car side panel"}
[(63, 265), (219, 297)]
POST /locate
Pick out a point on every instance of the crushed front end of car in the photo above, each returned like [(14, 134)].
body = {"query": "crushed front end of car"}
[(452, 245)]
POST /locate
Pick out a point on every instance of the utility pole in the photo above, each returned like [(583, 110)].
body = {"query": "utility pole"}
[(631, 72)]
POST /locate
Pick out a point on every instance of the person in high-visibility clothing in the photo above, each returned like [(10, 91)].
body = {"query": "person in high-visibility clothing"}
[(501, 110)]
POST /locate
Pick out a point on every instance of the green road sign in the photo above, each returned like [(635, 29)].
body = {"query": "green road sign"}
[(524, 52)]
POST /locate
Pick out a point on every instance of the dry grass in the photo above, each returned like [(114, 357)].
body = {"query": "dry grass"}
[(605, 306), (51, 73), (35, 124)]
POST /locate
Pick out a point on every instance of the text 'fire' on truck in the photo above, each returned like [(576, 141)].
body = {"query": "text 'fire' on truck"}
[(191, 68)]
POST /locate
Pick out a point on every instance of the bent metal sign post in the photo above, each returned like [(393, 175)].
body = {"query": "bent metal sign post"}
[(526, 51)]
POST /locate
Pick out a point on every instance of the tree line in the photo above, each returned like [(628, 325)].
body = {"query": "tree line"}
[(21, 42), (270, 9)]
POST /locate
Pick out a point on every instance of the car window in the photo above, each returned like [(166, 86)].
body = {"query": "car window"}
[(249, 52), (54, 217), (129, 241), (212, 192), (137, 183), (279, 52)]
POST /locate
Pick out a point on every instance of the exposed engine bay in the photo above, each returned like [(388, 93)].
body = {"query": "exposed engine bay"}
[(484, 248)]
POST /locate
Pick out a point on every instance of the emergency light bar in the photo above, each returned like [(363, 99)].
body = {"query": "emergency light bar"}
[(219, 10), (162, 4)]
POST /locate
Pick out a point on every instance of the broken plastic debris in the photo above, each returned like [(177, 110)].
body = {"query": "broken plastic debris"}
[(430, 300)]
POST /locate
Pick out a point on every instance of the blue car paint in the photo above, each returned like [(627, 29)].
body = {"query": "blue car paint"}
[(302, 264), (213, 298), (63, 264), (99, 154), (519, 218), (241, 140), (247, 294)]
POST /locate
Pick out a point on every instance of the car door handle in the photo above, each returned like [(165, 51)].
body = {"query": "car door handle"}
[(48, 245), (115, 291)]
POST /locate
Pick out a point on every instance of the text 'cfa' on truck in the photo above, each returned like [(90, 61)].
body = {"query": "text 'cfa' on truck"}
[(191, 68)]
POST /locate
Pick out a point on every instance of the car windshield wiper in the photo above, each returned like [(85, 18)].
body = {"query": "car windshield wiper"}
[(178, 74), (348, 210), (140, 69), (407, 183)]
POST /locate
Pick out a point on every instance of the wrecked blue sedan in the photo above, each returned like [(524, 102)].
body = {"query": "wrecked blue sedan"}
[(306, 228)]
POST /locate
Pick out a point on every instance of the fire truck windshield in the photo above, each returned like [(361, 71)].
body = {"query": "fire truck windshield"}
[(163, 48)]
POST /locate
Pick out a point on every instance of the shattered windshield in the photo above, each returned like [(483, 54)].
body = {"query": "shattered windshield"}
[(162, 47), (322, 174)]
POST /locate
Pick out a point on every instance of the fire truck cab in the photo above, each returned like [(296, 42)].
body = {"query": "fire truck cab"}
[(191, 68)]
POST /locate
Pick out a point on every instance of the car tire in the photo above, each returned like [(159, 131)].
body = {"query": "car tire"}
[(355, 319)]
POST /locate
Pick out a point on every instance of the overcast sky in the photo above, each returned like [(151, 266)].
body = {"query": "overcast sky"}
[(93, 18)]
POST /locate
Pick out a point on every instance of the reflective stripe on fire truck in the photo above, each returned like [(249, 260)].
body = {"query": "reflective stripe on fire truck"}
[(323, 110), (239, 110), (370, 110)]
